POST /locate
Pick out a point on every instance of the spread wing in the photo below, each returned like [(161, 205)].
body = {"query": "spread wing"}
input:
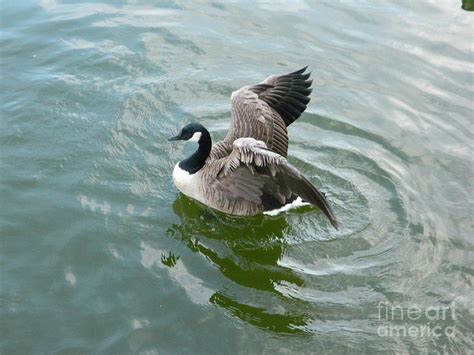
[(263, 111), (254, 173)]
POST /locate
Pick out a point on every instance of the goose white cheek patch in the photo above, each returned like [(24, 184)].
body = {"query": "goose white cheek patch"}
[(195, 137)]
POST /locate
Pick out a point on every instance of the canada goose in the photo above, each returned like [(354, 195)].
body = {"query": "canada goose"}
[(247, 173)]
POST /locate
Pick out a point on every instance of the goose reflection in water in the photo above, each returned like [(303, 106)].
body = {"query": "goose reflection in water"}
[(246, 251)]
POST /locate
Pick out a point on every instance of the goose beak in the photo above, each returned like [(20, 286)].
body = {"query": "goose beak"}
[(175, 138)]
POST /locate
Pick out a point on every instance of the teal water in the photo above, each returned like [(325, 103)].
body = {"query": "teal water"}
[(99, 252)]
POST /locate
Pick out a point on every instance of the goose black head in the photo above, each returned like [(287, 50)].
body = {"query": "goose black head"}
[(195, 132), (192, 132)]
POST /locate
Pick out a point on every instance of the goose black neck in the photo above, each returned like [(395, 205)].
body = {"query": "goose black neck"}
[(196, 161)]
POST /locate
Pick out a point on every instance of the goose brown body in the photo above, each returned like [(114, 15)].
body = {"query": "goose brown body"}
[(247, 173)]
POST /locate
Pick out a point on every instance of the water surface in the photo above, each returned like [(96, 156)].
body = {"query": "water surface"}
[(99, 252)]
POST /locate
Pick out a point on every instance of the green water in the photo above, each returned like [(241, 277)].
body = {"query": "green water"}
[(99, 252)]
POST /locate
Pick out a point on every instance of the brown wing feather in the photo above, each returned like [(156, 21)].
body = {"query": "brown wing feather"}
[(263, 111), (286, 94), (253, 169)]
